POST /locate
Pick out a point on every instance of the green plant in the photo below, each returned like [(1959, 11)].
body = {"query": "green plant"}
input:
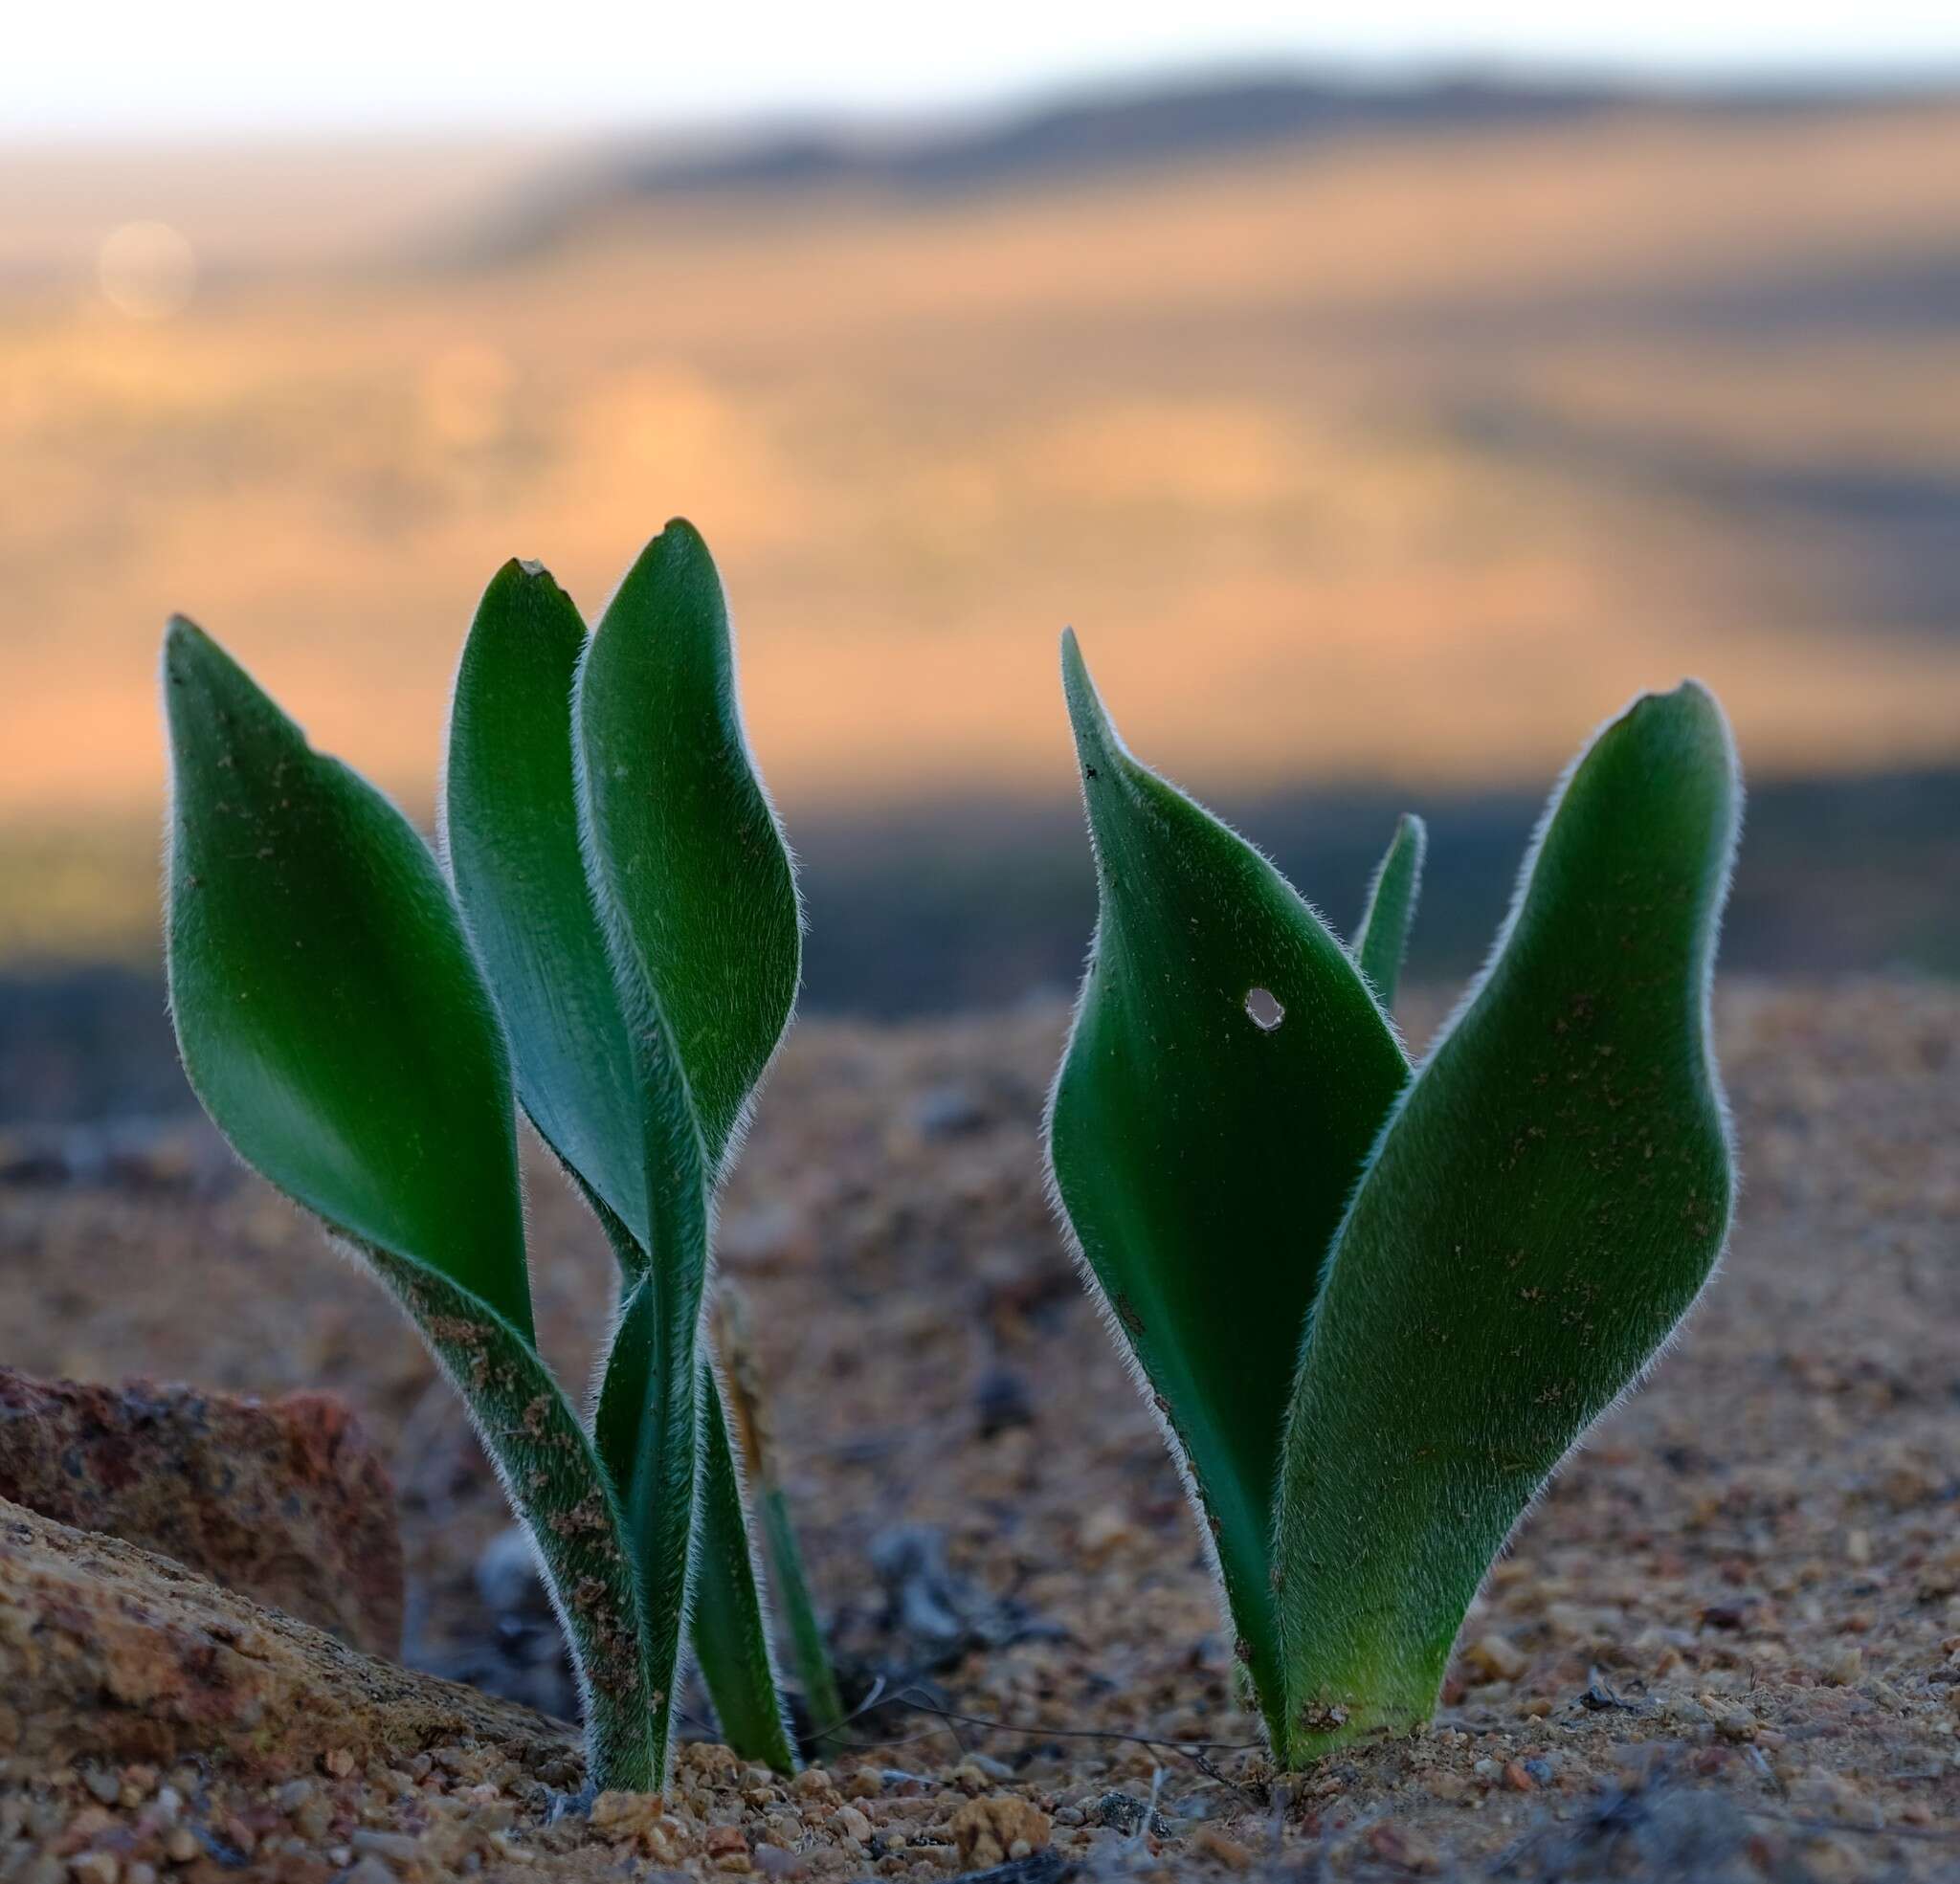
[(749, 1416), (618, 944), (1375, 1307)]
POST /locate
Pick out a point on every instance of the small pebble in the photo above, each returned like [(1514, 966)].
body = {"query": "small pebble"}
[(1227, 1851), (396, 1845), (1496, 1658), (1002, 1402)]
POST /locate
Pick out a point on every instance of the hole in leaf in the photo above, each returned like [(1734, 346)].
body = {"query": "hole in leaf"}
[(1264, 1008)]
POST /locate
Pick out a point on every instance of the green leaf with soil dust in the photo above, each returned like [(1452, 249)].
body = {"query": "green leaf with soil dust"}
[(1544, 1206), (333, 1023)]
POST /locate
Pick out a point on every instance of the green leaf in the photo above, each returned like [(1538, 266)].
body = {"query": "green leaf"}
[(1547, 1201), (1204, 1158), (514, 846), (333, 1023), (1383, 937), (694, 881), (555, 1481), (705, 1518), (726, 1622), (730, 1631), (331, 1015), (648, 1440), (511, 822), (810, 1651), (694, 890), (807, 1644)]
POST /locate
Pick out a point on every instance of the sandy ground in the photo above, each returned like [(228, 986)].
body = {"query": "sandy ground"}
[(1727, 1644)]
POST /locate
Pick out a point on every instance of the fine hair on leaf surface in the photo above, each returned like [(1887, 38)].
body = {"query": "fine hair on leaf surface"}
[(334, 1025), (1382, 939), (597, 1069), (1375, 1306), (1166, 1068), (617, 946)]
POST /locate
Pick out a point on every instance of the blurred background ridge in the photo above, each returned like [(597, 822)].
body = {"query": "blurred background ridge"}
[(1380, 431)]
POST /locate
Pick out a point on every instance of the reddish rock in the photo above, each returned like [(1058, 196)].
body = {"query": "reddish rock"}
[(284, 1503), (109, 1652)]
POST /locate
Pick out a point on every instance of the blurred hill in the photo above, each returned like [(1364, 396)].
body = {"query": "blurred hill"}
[(1079, 136), (1153, 126), (1366, 435)]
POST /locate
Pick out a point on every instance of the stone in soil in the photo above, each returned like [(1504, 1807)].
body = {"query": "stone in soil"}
[(283, 1501)]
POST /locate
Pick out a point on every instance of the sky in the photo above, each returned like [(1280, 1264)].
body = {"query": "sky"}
[(212, 69)]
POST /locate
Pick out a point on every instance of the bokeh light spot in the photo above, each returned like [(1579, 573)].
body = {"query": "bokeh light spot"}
[(148, 271)]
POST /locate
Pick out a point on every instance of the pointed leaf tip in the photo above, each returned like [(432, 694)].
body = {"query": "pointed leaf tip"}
[(1382, 940), (190, 655), (1096, 737)]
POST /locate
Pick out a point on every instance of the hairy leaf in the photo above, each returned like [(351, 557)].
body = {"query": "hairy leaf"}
[(649, 1400), (331, 1012), (559, 1488), (1383, 937), (1544, 1206), (727, 1625), (808, 1646), (726, 1621), (514, 848), (731, 1634), (1204, 1148), (511, 822), (693, 887), (809, 1650), (332, 1022), (694, 879)]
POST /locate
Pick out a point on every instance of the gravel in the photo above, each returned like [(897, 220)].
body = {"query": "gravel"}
[(1726, 1644)]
